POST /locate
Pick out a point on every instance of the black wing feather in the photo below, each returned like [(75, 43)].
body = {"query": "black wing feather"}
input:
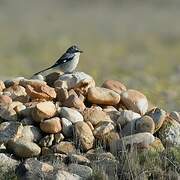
[(64, 58)]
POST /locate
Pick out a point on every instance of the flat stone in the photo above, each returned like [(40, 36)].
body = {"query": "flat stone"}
[(64, 175), (71, 114), (103, 96), (64, 147), (83, 171), (32, 82), (33, 169), (114, 85), (135, 101), (43, 110), (127, 116), (52, 125), (95, 115), (23, 148), (10, 130), (141, 140), (84, 135)]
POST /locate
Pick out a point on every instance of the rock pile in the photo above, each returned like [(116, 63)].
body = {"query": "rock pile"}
[(65, 118)]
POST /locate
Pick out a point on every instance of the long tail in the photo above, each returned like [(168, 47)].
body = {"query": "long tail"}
[(43, 70)]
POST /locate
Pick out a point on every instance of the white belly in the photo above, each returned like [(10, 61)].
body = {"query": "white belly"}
[(71, 65)]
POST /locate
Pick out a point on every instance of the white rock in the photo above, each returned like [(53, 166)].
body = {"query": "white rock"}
[(71, 114)]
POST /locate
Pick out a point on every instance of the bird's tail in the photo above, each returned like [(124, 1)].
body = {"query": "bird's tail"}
[(43, 70)]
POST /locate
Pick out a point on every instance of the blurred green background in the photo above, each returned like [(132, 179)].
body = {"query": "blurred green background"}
[(133, 41)]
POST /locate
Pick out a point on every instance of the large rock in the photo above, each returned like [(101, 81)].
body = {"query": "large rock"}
[(64, 175), (127, 116), (71, 114), (52, 125), (135, 101), (23, 148), (95, 115), (143, 124), (158, 115), (31, 133), (141, 140), (32, 82), (103, 96), (78, 80), (33, 169), (114, 85), (7, 164), (64, 147), (83, 171), (10, 130), (169, 133), (84, 135), (43, 110)]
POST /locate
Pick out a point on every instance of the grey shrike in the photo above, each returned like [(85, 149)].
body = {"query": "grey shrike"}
[(67, 63)]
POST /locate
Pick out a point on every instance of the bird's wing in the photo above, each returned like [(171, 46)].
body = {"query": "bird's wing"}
[(64, 58)]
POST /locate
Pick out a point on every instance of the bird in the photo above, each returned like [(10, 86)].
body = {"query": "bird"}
[(67, 63)]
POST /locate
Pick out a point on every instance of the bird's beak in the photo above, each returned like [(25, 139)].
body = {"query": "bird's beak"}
[(80, 51)]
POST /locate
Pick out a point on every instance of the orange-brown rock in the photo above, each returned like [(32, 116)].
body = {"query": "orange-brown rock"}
[(84, 135), (42, 92), (135, 101), (43, 110), (52, 125), (104, 96), (114, 85), (95, 115)]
